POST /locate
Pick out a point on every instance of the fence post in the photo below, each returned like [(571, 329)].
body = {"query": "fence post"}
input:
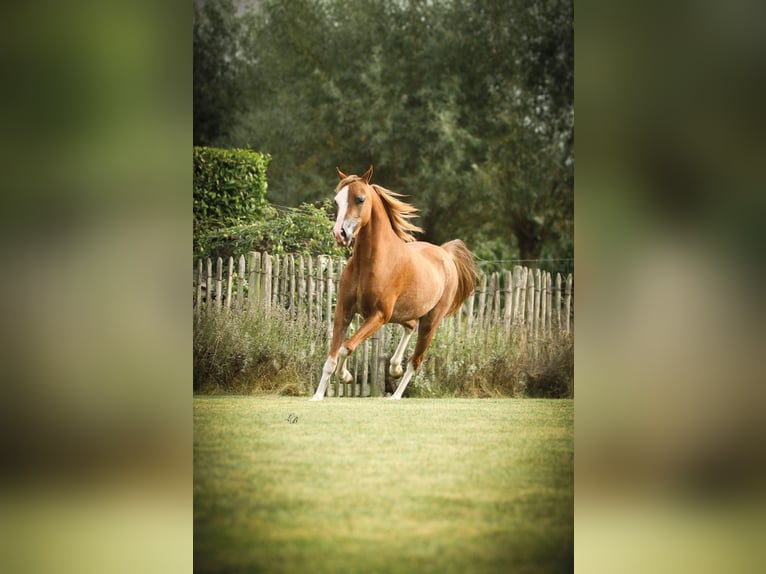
[(310, 288), (378, 382), (490, 309), (320, 288), (518, 287), (230, 270), (385, 338), (482, 301), (241, 282), (291, 268), (276, 268), (568, 302), (218, 284), (508, 310), (254, 284), (469, 318), (267, 277), (557, 302), (530, 296), (543, 301), (198, 291), (284, 282), (536, 327), (523, 281), (548, 323), (301, 287), (498, 293), (209, 287)]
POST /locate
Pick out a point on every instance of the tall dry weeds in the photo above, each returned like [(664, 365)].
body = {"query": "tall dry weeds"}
[(265, 350)]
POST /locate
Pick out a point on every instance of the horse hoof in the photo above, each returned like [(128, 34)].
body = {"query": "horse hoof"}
[(396, 372), (315, 399)]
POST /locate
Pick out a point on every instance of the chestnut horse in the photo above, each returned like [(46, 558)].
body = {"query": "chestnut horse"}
[(391, 278)]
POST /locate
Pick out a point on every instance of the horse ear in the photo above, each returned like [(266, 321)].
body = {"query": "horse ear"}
[(367, 175), (340, 173)]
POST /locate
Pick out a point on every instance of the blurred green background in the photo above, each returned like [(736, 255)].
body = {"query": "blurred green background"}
[(95, 151), (668, 356)]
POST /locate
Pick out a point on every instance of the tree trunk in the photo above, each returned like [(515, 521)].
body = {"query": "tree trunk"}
[(530, 237)]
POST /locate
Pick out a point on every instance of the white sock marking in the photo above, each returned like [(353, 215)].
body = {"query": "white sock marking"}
[(404, 382), (327, 371), (395, 365)]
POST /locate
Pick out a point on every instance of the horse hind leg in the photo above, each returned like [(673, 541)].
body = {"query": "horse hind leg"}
[(404, 382), (395, 365), (427, 331)]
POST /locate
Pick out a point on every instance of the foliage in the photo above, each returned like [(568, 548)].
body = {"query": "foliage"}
[(306, 230), (229, 188), (218, 92), (467, 107)]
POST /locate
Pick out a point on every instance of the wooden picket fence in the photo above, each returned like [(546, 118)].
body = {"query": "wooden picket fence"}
[(522, 302)]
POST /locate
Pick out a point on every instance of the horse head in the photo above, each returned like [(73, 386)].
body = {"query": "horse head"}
[(354, 205)]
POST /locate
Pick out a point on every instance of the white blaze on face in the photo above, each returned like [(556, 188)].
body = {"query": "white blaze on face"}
[(342, 200)]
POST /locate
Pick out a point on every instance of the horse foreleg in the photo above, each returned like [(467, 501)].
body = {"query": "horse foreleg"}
[(342, 321), (343, 373), (368, 328), (395, 365), (327, 371)]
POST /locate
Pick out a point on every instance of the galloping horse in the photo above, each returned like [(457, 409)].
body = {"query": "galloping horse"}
[(391, 278)]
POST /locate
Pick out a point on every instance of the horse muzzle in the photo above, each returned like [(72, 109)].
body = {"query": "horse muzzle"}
[(344, 233)]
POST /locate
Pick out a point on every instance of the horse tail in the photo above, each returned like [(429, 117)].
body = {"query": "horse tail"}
[(467, 273)]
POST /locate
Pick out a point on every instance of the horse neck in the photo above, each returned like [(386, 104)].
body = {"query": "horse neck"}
[(376, 240)]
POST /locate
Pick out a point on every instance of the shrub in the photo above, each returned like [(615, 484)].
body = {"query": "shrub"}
[(551, 374), (306, 230), (229, 187)]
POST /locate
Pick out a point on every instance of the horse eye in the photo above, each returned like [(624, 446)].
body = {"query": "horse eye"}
[(360, 199)]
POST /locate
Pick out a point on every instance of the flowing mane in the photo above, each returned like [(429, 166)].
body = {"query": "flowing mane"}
[(399, 213)]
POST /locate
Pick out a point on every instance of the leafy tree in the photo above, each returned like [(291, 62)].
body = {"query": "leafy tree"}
[(218, 68), (467, 107), (533, 172)]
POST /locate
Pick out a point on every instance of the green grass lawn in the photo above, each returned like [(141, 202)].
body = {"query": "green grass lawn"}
[(370, 485)]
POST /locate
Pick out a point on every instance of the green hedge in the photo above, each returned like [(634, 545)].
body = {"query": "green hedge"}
[(229, 185)]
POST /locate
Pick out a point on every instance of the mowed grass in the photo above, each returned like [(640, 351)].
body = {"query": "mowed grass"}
[(370, 485)]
